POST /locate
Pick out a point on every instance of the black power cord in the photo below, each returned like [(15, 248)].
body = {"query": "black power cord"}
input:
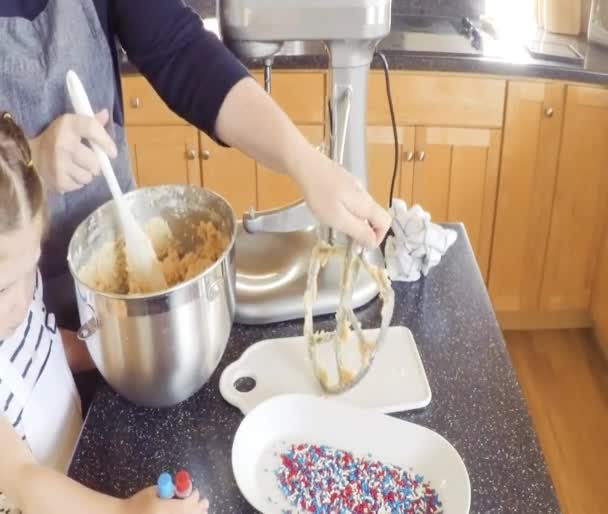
[(393, 121)]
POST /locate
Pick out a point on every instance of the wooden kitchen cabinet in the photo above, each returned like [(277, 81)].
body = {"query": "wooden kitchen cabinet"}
[(381, 159), (229, 173), (439, 99), (599, 306), (580, 206), (525, 195), (164, 148), (301, 94), (449, 147), (455, 179), (164, 155), (528, 179), (143, 106), (277, 190)]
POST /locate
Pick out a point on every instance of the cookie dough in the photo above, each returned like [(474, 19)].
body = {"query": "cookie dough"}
[(107, 270)]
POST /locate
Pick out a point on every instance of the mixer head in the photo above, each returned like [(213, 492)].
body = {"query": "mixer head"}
[(258, 28)]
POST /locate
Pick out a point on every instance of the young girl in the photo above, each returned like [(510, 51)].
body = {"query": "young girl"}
[(40, 417)]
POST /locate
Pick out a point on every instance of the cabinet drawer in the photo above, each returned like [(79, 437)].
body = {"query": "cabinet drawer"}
[(143, 106), (438, 100)]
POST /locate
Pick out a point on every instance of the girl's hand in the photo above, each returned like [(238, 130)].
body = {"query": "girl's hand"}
[(339, 200), (148, 502), (62, 158)]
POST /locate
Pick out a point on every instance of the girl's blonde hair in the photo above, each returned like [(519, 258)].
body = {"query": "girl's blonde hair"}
[(21, 190)]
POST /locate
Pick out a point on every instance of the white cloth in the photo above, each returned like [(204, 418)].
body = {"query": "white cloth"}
[(37, 391), (418, 244)]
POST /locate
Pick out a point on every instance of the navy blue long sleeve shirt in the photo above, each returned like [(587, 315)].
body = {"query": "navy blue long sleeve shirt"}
[(188, 66)]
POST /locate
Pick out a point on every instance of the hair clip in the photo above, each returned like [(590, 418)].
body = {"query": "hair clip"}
[(7, 116)]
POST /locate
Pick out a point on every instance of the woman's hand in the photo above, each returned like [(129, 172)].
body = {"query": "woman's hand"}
[(338, 199), (62, 158), (148, 502)]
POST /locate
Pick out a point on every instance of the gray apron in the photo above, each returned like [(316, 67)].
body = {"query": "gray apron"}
[(34, 59)]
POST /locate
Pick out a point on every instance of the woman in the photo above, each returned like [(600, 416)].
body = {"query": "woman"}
[(40, 40)]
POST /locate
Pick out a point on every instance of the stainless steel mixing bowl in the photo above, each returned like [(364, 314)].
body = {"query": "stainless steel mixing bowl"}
[(159, 349)]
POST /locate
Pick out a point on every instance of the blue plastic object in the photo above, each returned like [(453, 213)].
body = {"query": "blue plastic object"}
[(166, 489)]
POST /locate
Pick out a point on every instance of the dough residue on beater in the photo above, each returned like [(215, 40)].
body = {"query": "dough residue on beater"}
[(107, 269)]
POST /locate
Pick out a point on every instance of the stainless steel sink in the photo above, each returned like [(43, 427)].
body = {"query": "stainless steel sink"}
[(426, 42)]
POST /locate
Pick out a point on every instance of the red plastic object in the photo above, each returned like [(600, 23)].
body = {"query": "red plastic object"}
[(183, 483)]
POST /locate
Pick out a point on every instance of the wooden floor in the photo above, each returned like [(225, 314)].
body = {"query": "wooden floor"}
[(564, 377)]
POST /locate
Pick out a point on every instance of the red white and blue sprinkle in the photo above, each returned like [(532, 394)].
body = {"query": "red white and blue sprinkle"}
[(325, 480)]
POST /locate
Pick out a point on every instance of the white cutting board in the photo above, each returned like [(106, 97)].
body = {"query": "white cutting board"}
[(293, 419), (396, 381)]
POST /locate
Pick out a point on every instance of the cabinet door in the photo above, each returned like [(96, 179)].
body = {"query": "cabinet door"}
[(525, 194), (580, 208), (229, 173), (277, 190), (455, 179), (301, 94), (164, 155), (381, 161)]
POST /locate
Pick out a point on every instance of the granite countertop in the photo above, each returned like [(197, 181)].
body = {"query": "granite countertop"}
[(504, 57), (477, 405)]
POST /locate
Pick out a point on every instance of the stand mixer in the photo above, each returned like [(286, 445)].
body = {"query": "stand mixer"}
[(273, 248)]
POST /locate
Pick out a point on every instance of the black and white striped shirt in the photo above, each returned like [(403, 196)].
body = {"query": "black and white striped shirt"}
[(28, 351)]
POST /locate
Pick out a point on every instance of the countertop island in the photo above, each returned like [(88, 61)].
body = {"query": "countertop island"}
[(477, 405)]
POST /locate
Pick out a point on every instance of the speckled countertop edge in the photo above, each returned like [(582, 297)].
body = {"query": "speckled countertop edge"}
[(429, 63)]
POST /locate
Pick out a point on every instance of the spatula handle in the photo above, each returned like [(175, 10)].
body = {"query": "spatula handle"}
[(81, 104)]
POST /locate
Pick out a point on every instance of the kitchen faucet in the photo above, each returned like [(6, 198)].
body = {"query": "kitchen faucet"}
[(270, 285)]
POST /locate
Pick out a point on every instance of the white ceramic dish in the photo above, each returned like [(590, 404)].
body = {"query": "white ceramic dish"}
[(275, 424), (396, 381)]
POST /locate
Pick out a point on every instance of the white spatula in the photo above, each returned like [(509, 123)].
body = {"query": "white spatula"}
[(143, 265)]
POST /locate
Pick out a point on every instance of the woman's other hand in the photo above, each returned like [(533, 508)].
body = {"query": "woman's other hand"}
[(63, 159)]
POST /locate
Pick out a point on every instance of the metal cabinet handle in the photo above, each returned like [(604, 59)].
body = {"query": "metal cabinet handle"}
[(420, 156), (409, 156), (549, 112), (191, 155), (135, 102), (205, 155)]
